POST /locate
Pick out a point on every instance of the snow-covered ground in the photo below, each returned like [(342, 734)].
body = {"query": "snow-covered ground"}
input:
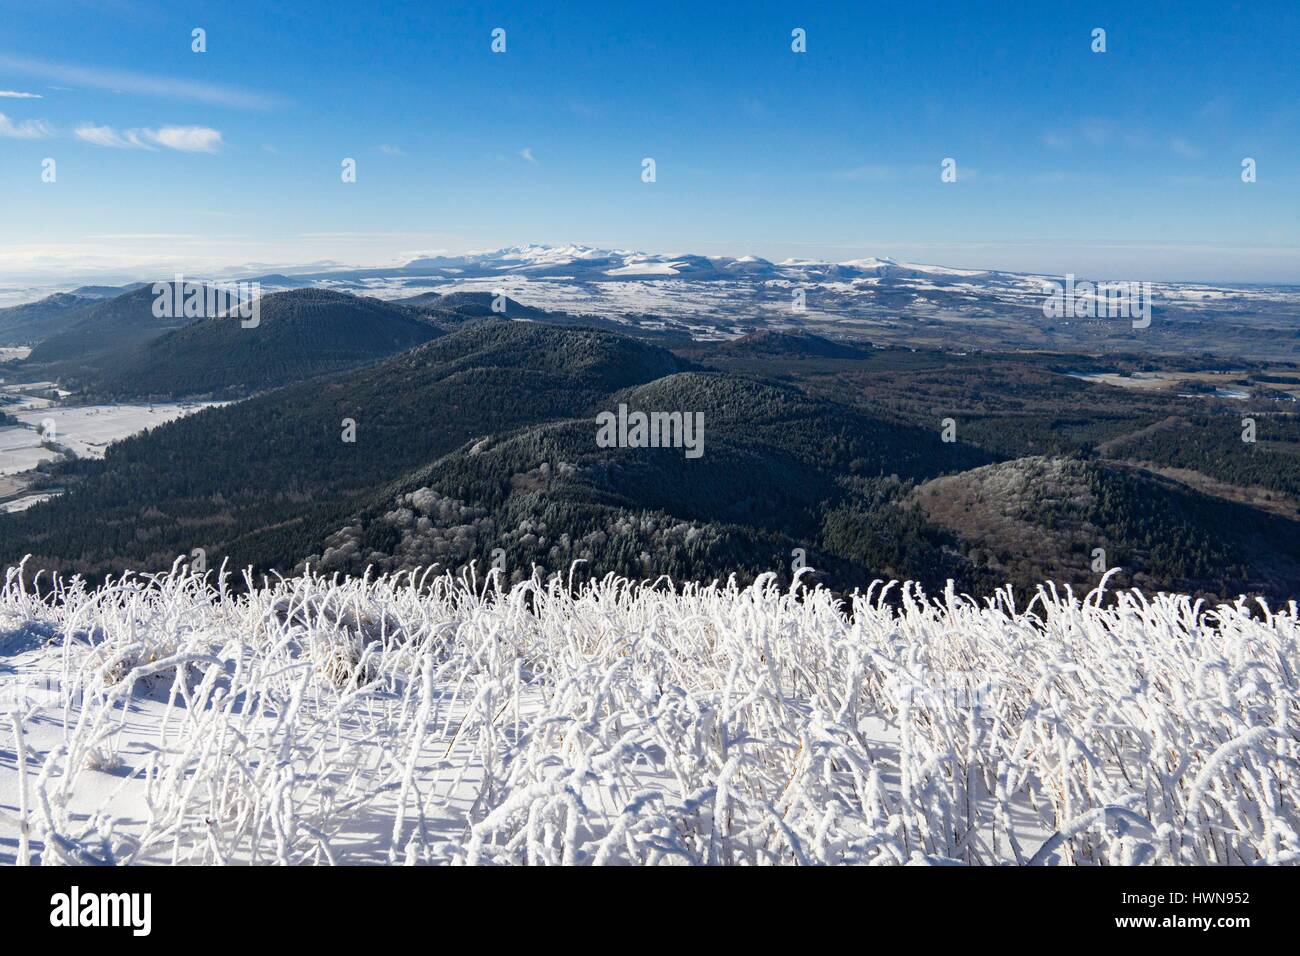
[(87, 430), (400, 720), (14, 505), (20, 450)]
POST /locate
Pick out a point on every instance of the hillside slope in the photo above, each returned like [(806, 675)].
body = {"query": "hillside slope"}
[(485, 445), (116, 326), (770, 462), (1019, 518), (261, 481), (34, 322), (299, 335), (769, 343)]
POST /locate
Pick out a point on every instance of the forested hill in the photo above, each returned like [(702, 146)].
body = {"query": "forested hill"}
[(261, 480), (482, 445), (115, 325), (298, 335), (33, 322)]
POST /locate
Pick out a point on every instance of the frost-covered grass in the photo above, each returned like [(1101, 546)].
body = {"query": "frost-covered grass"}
[(400, 720)]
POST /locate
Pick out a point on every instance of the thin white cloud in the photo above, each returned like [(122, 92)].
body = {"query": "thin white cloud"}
[(357, 235), (16, 95), (1184, 149), (145, 84), (390, 150), (186, 139), (27, 129), (107, 136), (178, 236), (527, 153)]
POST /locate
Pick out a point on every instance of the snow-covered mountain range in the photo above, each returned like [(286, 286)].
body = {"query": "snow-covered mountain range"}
[(877, 299), (604, 265)]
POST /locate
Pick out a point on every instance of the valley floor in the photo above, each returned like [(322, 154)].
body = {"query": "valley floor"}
[(49, 430), (399, 721)]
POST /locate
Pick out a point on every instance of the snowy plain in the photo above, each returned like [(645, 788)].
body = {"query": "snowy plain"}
[(89, 429), (85, 430), (404, 720)]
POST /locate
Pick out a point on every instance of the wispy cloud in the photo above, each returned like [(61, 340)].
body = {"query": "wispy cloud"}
[(27, 129), (1183, 148), (348, 234), (527, 153), (107, 136), (389, 150), (170, 236), (16, 95), (145, 84), (186, 139)]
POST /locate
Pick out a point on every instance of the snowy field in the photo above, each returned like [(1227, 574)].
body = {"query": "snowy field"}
[(87, 430), (400, 721), (15, 505), (20, 450)]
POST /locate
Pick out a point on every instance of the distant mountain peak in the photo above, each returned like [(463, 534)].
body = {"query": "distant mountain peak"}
[(625, 263)]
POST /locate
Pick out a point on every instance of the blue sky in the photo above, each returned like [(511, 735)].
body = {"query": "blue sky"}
[(1121, 164)]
